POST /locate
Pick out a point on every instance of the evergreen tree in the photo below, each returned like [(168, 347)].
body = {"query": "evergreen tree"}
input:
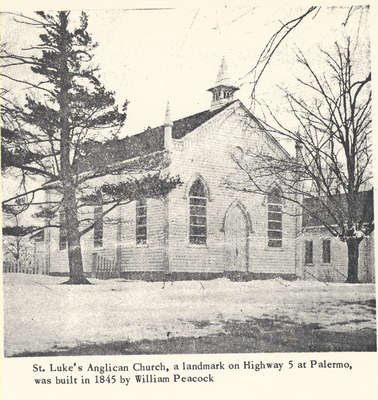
[(65, 112)]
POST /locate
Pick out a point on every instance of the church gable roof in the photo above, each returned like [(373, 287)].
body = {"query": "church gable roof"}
[(149, 141), (183, 126)]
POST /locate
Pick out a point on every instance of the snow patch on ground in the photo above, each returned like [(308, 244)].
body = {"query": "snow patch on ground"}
[(41, 314)]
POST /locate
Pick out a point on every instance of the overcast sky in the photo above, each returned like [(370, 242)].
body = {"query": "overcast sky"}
[(150, 56)]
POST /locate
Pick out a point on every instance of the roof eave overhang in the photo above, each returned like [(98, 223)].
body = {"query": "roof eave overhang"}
[(234, 88)]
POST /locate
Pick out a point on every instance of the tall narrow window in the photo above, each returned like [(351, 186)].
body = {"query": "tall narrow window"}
[(309, 252), (326, 251), (274, 218), (141, 221), (62, 231), (98, 226), (197, 211)]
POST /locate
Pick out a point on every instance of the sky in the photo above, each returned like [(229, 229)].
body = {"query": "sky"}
[(152, 56), (149, 56)]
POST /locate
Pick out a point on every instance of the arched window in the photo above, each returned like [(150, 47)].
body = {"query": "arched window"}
[(197, 211), (275, 218)]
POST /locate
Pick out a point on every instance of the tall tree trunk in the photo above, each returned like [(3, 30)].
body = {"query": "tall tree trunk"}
[(73, 241), (353, 253), (69, 188)]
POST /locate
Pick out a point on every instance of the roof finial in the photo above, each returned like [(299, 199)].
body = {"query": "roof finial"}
[(168, 118)]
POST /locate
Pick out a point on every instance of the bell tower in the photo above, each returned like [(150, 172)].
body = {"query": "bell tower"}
[(223, 91)]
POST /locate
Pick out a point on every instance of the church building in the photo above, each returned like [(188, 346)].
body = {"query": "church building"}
[(204, 228)]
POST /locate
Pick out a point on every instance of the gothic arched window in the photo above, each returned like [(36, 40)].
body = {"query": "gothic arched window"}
[(197, 212), (275, 218)]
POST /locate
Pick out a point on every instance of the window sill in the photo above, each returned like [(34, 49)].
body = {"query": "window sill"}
[(141, 245), (197, 246), (308, 265), (274, 248)]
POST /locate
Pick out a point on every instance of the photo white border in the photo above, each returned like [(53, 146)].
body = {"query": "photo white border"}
[(359, 383)]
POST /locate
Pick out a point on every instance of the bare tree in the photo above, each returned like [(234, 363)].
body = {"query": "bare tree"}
[(267, 53), (277, 39), (16, 246), (333, 150)]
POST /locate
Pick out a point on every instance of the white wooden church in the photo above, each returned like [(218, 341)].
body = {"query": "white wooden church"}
[(203, 229)]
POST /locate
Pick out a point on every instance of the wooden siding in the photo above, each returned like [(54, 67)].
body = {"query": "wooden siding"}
[(59, 258), (149, 257), (337, 269), (206, 152)]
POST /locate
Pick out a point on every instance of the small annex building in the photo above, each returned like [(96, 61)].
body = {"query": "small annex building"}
[(325, 257)]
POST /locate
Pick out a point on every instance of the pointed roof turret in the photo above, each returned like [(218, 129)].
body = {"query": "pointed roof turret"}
[(168, 124), (223, 91), (223, 78), (168, 118)]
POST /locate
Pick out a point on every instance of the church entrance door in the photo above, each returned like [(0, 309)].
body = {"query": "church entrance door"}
[(236, 235)]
